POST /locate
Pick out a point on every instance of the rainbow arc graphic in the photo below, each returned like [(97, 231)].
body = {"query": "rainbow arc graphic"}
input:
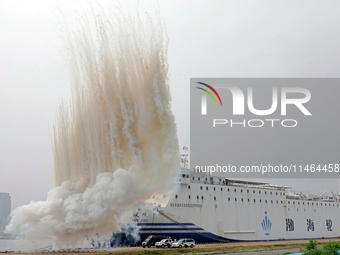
[(209, 93)]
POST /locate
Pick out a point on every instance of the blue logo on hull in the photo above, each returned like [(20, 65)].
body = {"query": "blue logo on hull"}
[(266, 224)]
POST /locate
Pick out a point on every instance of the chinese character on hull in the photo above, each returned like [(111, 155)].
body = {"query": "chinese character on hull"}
[(329, 225), (289, 225), (310, 225)]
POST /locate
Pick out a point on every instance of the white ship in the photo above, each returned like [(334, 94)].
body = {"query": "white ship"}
[(212, 209)]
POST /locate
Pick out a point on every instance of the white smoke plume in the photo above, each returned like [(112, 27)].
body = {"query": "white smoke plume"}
[(115, 141)]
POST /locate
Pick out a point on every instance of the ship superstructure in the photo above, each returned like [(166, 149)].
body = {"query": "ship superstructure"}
[(214, 209)]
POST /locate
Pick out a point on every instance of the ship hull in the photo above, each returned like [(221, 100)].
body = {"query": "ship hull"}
[(217, 211)]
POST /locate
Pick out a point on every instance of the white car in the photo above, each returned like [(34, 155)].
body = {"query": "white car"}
[(164, 243), (184, 242)]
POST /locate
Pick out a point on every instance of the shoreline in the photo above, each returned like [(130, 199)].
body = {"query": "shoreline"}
[(216, 248)]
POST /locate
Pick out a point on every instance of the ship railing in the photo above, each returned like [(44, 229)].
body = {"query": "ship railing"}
[(312, 198), (209, 182)]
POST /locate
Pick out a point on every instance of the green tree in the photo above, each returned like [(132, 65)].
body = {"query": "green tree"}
[(331, 248), (311, 248)]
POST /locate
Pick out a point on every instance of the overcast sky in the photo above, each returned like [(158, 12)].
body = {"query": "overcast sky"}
[(206, 39)]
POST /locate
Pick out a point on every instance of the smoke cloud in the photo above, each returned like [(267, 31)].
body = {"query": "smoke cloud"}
[(115, 141)]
